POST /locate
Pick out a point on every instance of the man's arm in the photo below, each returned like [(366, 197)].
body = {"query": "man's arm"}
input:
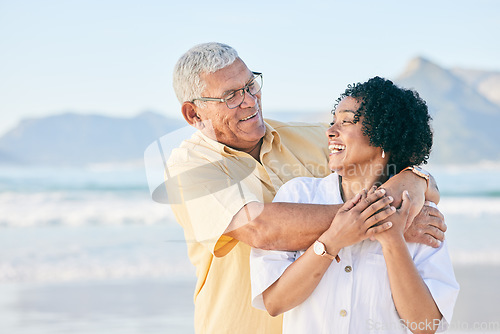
[(281, 226), (285, 226), (289, 226)]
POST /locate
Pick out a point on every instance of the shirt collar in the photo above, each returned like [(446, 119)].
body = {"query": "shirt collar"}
[(270, 137)]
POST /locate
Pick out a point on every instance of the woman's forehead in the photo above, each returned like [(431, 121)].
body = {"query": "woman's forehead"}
[(347, 105)]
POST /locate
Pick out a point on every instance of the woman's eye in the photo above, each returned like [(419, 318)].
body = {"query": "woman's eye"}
[(346, 121)]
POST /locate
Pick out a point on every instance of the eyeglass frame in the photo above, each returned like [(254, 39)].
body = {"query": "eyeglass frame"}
[(244, 89)]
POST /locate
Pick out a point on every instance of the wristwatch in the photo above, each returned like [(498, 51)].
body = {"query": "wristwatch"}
[(320, 249), (420, 172)]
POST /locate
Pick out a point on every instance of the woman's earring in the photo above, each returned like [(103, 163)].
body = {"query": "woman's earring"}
[(383, 154)]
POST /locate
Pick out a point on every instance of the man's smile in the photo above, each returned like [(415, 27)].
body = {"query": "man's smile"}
[(251, 116)]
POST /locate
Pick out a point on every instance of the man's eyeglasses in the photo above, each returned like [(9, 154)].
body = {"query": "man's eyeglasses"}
[(235, 98)]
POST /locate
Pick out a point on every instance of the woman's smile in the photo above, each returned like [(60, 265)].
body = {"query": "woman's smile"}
[(335, 148)]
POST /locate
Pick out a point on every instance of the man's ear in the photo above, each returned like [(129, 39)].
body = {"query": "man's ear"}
[(190, 113)]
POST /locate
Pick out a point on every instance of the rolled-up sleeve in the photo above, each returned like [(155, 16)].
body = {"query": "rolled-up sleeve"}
[(265, 268), (206, 197)]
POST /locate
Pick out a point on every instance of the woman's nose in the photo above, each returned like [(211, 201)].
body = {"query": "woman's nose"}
[(332, 132)]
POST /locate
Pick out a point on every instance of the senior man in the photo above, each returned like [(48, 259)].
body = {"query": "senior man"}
[(223, 179)]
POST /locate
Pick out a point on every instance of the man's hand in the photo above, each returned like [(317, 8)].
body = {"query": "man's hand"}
[(428, 227)]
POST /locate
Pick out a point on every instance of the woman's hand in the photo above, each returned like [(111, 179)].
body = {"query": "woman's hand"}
[(399, 222), (356, 220)]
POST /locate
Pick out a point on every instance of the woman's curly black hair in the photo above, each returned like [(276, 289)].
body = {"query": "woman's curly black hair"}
[(395, 119)]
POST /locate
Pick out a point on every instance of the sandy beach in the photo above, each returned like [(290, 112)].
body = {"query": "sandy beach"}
[(125, 306), (160, 306), (478, 302), (120, 265)]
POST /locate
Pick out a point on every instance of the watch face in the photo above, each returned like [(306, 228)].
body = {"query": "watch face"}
[(319, 248)]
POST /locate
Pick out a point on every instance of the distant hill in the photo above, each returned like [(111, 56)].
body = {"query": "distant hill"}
[(74, 139), (465, 121), (485, 82)]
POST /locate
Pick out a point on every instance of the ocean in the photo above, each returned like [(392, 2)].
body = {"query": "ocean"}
[(86, 250)]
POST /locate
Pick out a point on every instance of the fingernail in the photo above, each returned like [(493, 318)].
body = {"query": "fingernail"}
[(393, 208), (389, 224), (390, 198), (381, 191)]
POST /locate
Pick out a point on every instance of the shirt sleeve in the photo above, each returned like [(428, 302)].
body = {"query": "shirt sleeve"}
[(205, 197), (266, 266), (435, 268)]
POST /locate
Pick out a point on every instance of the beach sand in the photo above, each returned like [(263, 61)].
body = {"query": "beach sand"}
[(125, 306), (159, 306), (478, 305)]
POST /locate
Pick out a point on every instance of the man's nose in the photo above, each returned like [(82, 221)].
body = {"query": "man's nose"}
[(249, 100)]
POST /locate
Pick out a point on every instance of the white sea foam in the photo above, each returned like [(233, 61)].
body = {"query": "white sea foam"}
[(69, 253), (94, 269), (478, 257), (23, 209), (470, 206)]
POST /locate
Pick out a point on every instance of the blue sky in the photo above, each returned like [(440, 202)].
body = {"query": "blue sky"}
[(116, 57)]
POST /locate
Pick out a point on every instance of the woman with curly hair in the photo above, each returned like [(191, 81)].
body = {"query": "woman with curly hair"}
[(383, 285)]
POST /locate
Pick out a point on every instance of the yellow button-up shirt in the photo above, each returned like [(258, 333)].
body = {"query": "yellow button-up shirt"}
[(208, 184)]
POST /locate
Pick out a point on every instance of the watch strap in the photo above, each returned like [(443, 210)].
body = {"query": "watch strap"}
[(326, 254), (419, 172)]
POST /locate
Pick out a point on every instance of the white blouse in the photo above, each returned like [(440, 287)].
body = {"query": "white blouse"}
[(354, 296)]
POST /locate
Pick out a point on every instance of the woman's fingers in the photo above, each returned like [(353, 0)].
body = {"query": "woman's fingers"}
[(378, 229), (352, 202), (372, 190), (378, 205), (379, 216), (368, 199)]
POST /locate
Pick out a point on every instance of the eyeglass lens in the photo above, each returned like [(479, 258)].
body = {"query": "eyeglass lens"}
[(236, 98)]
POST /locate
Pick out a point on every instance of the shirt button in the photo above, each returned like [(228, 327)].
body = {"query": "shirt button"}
[(348, 269), (343, 313)]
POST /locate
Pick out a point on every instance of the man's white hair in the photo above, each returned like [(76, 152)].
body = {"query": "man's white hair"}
[(200, 59)]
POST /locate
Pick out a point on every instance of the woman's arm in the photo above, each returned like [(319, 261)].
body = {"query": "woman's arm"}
[(351, 225), (412, 298)]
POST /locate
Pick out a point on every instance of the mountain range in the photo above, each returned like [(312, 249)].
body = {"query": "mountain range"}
[(75, 139), (464, 104)]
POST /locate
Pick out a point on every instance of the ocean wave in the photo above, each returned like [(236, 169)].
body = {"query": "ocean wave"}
[(472, 206), (70, 270), (480, 257), (80, 208)]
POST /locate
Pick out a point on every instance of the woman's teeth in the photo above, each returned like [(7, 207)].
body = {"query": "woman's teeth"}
[(336, 148)]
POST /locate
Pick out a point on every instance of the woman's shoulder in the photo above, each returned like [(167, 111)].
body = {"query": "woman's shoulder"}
[(306, 189)]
